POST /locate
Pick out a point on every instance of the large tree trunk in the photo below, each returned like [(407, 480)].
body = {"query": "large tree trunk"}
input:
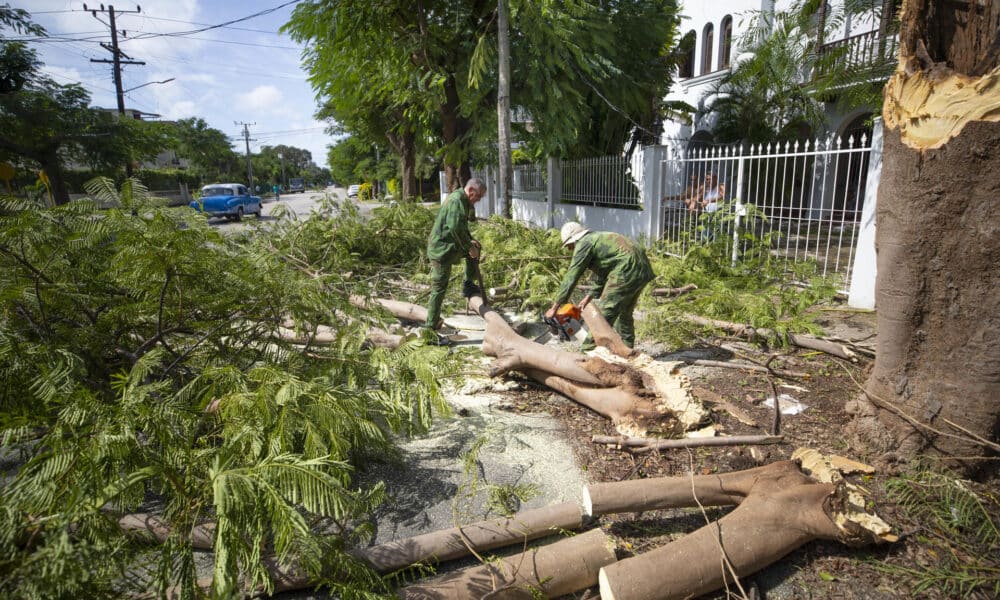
[(52, 166), (404, 145), (935, 384)]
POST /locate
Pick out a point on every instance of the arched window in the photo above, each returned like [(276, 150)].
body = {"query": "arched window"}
[(707, 41), (725, 41), (687, 46)]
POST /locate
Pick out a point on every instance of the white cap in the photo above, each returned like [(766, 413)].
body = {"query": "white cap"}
[(572, 232)]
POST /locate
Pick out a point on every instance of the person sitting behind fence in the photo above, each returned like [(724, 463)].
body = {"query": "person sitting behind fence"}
[(713, 194), (693, 195)]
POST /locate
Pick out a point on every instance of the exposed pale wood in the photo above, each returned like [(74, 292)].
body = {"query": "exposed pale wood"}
[(402, 310), (556, 569)]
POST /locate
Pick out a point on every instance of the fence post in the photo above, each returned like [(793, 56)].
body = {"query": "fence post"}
[(651, 187), (553, 188), (739, 208), (862, 290), (442, 186)]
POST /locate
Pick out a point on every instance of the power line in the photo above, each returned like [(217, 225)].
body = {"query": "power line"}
[(193, 31)]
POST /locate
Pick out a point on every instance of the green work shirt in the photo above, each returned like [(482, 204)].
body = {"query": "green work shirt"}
[(450, 239), (610, 256)]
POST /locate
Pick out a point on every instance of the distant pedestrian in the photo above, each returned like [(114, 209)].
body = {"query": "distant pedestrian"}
[(277, 192), (622, 270)]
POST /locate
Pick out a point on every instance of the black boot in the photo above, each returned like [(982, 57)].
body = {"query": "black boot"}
[(470, 289)]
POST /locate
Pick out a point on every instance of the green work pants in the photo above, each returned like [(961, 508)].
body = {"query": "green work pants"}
[(440, 274)]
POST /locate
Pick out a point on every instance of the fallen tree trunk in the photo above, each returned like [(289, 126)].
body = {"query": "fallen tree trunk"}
[(325, 336), (779, 508), (560, 568), (803, 341)]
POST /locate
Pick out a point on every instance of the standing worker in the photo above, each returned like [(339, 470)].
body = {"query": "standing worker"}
[(277, 192), (449, 242), (622, 271)]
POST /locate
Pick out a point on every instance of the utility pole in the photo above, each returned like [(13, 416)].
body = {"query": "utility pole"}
[(503, 109), (246, 138), (116, 59)]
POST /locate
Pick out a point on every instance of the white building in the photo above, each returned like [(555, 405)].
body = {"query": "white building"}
[(716, 28)]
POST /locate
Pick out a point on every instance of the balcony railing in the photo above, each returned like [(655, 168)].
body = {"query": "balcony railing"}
[(859, 52)]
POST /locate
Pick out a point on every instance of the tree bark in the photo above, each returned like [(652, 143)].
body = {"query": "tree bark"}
[(779, 509), (603, 333), (506, 178), (937, 369), (404, 145), (554, 570), (454, 130)]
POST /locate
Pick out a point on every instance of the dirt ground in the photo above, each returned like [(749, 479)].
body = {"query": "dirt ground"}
[(819, 570)]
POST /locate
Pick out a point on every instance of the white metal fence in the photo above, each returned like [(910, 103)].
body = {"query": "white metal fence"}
[(807, 204), (801, 200)]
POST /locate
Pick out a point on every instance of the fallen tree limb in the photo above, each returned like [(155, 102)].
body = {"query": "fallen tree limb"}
[(629, 413), (708, 395), (397, 308), (603, 334), (556, 569), (513, 352), (779, 508), (648, 444), (749, 367), (448, 544), (677, 291), (839, 350)]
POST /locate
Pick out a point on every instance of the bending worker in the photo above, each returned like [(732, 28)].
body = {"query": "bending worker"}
[(449, 242), (622, 271)]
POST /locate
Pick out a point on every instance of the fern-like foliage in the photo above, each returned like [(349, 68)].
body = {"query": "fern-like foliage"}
[(958, 527), (141, 371)]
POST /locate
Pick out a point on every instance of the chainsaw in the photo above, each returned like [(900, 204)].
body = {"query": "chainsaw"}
[(566, 322)]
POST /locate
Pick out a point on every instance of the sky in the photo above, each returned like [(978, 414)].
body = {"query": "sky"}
[(245, 72)]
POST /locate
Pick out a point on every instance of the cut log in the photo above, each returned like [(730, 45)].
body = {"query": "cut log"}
[(603, 334), (560, 568), (779, 508), (668, 292), (453, 543)]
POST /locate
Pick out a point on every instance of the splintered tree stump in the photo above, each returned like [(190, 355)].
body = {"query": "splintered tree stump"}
[(778, 509), (557, 569)]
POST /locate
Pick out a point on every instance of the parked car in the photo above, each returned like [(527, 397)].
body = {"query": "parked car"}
[(230, 200), (352, 191), (296, 184)]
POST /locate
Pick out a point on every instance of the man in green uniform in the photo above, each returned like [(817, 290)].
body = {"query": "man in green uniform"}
[(622, 271), (449, 242)]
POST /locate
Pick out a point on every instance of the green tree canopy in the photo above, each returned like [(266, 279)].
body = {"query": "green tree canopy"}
[(208, 150)]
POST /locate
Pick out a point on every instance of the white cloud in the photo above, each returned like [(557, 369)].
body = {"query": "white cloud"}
[(263, 98)]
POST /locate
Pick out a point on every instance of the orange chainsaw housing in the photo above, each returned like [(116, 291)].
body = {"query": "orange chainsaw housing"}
[(568, 319)]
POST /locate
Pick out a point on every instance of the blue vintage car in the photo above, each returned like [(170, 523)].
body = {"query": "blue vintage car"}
[(230, 200)]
